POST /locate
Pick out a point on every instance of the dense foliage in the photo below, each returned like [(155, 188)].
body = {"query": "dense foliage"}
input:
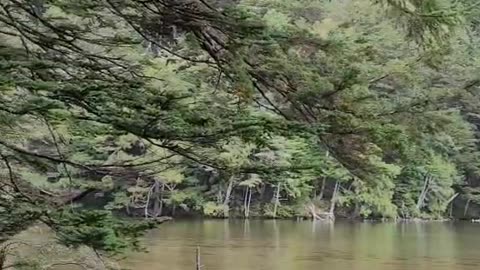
[(271, 108)]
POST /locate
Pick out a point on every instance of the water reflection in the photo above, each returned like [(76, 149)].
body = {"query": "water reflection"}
[(290, 245)]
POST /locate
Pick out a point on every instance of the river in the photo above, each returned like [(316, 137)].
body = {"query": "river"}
[(290, 245)]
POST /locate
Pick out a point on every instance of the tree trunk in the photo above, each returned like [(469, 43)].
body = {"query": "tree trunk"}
[(3, 256), (465, 210), (245, 198), (157, 203), (450, 214), (423, 194), (322, 189), (245, 201), (249, 199), (160, 212), (127, 208), (334, 198), (450, 200), (277, 201), (220, 197), (147, 204), (210, 180), (227, 197)]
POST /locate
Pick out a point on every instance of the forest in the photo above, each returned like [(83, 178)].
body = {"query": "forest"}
[(121, 110)]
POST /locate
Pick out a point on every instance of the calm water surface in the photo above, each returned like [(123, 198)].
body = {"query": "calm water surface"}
[(289, 245)]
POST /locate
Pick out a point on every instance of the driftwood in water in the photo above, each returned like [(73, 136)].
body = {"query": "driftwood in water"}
[(198, 264), (317, 214), (160, 220)]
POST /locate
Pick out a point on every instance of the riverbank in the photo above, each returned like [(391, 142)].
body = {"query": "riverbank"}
[(339, 219)]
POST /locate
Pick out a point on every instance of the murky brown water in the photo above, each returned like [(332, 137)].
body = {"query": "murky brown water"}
[(289, 245)]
